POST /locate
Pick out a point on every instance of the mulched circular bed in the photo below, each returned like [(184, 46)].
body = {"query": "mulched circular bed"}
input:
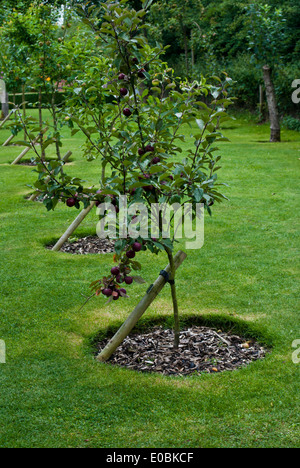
[(201, 350), (34, 163), (88, 245), (27, 163)]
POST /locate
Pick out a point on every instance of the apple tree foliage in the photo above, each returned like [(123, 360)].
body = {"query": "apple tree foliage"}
[(43, 55), (132, 112)]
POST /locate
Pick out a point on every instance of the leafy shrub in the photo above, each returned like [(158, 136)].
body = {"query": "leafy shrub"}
[(291, 123)]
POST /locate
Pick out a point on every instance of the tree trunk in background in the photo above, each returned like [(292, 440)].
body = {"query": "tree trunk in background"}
[(43, 154), (186, 49), (261, 103), (272, 105), (24, 108)]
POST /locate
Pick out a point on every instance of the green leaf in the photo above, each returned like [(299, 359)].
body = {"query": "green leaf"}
[(120, 245), (47, 143), (147, 4), (200, 124), (198, 194), (167, 243), (136, 266), (23, 143), (139, 279)]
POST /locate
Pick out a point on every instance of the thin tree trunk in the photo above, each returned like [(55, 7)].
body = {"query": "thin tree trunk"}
[(186, 51), (54, 116), (172, 276), (261, 103), (272, 105), (43, 154), (24, 109), (192, 51)]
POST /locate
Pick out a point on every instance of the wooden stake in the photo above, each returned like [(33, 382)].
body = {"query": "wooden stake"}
[(6, 119), (25, 151), (6, 143), (140, 309), (67, 156), (73, 227)]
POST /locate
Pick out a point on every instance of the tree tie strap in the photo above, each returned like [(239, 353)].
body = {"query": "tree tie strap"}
[(166, 276)]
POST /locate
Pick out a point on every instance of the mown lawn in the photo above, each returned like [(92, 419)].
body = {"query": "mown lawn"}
[(54, 394)]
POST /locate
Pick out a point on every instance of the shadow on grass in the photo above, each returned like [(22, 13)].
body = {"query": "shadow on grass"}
[(271, 142)]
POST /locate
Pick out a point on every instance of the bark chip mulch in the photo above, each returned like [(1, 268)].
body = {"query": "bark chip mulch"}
[(27, 163), (201, 350), (87, 245)]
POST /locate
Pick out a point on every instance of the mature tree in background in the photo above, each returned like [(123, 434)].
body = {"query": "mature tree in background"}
[(209, 36), (291, 13), (266, 39), (177, 23), (227, 18), (8, 6)]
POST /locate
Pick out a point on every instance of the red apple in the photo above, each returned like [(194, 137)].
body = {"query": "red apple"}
[(71, 202), (115, 271), (128, 280), (130, 254), (137, 247)]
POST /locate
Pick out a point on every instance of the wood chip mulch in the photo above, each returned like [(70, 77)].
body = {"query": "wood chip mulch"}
[(201, 350), (88, 245), (27, 163)]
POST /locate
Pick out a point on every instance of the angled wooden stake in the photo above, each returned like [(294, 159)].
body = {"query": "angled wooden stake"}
[(25, 151), (73, 227), (140, 309), (67, 156), (9, 139), (6, 118)]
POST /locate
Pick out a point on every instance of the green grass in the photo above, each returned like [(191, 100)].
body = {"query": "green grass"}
[(53, 393)]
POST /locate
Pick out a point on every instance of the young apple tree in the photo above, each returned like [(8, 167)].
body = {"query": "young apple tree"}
[(132, 112)]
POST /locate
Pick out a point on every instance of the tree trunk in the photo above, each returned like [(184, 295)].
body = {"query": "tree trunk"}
[(24, 109), (43, 154), (261, 103), (185, 41), (172, 276), (272, 105), (55, 125)]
